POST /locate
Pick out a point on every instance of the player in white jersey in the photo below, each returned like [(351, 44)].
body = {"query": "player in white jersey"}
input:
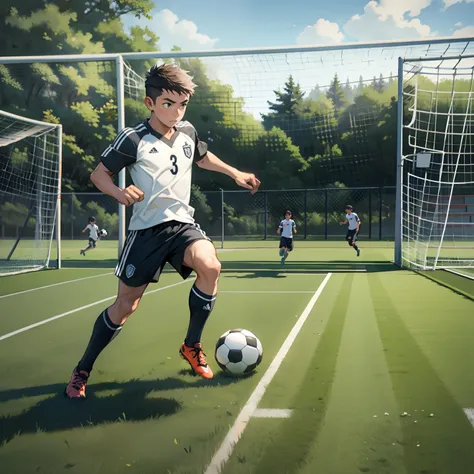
[(353, 224), (159, 154), (93, 235), (286, 229)]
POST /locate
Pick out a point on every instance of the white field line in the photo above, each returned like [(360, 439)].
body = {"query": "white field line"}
[(469, 412), (225, 450), (343, 270), (55, 284), (316, 272), (470, 277), (272, 413), (67, 313), (251, 292)]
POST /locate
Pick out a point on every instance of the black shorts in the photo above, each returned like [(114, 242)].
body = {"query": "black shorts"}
[(147, 251), (286, 242), (92, 242), (351, 236)]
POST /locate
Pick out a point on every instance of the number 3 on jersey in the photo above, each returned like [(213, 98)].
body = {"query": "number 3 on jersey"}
[(174, 169)]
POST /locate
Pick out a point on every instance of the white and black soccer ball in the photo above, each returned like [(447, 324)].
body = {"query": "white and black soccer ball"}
[(103, 233), (238, 351)]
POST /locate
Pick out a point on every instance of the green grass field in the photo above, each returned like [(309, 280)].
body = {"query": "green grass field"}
[(379, 379)]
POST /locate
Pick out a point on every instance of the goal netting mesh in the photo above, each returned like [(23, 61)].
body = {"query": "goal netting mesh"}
[(29, 179), (438, 164)]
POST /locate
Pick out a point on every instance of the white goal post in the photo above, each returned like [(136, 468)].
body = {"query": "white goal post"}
[(30, 192)]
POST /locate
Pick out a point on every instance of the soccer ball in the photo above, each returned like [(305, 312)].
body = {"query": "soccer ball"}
[(103, 233), (238, 351)]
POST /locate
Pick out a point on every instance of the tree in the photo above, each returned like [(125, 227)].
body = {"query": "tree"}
[(381, 84), (316, 93), (348, 93), (360, 86), (336, 94), (286, 101)]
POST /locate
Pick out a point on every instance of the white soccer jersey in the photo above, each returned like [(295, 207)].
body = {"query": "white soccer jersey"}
[(287, 228), (161, 168), (352, 220), (93, 231)]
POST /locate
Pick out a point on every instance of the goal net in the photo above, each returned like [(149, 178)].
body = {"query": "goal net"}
[(438, 164), (30, 170), (324, 119)]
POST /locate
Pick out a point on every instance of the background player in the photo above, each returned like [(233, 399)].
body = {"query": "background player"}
[(93, 235), (286, 229), (353, 221), (159, 154)]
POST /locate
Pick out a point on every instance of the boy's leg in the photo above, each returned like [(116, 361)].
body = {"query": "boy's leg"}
[(106, 328), (202, 258), (288, 248), (354, 244), (91, 245)]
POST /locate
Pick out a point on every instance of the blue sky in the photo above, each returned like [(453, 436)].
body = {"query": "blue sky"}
[(208, 25), (217, 24)]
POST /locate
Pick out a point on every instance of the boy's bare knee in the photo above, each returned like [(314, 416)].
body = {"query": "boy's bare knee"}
[(209, 268)]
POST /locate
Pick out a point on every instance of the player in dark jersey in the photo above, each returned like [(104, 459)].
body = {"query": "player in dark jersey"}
[(159, 154)]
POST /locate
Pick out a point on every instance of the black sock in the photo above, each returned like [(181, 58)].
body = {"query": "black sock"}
[(355, 247), (104, 331), (200, 307)]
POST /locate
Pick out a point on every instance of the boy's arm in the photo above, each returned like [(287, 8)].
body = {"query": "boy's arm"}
[(102, 179), (343, 222), (210, 162), (85, 228), (358, 225)]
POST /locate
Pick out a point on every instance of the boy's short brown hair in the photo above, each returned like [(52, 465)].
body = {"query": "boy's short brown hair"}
[(168, 77)]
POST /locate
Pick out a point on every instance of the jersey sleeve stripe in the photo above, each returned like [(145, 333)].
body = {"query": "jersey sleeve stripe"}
[(129, 132), (120, 136), (118, 143), (107, 151)]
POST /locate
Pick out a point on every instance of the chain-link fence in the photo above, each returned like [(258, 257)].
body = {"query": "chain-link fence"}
[(317, 213)]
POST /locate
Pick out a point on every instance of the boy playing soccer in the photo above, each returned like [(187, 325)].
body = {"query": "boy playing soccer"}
[(286, 229), (159, 154), (93, 235), (353, 221)]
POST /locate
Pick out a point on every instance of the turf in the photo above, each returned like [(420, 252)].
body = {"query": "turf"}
[(379, 340)]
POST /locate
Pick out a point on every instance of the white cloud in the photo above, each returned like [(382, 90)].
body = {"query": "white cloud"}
[(466, 31), (450, 3), (458, 24), (386, 20), (380, 20), (323, 31), (175, 31)]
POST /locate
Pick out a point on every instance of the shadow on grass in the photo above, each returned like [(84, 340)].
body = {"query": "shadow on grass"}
[(107, 402), (264, 269), (457, 283)]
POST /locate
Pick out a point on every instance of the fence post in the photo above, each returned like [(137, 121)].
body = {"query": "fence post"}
[(370, 214), (380, 212), (326, 216), (265, 214), (72, 216), (305, 210), (222, 218)]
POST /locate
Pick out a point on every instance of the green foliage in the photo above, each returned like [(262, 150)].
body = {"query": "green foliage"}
[(203, 211), (338, 132), (13, 214)]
